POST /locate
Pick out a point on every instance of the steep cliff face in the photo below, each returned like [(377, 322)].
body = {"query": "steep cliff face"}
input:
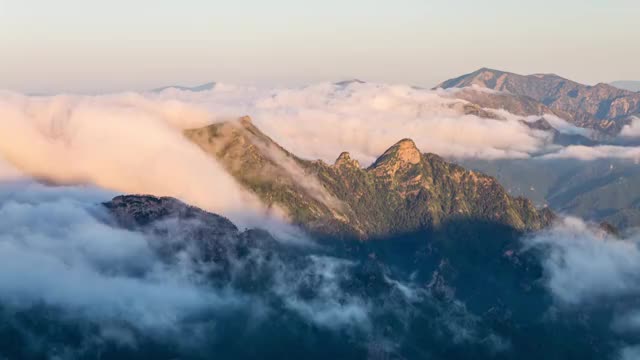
[(403, 191), (601, 107)]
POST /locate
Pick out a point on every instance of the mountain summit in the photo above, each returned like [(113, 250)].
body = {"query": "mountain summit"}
[(403, 191), (600, 107), (403, 152)]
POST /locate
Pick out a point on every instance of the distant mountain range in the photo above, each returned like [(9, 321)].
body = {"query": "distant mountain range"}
[(627, 85), (602, 107), (602, 190), (197, 88), (403, 191)]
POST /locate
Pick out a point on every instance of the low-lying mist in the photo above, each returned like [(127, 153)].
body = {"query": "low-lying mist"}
[(107, 289), (103, 288)]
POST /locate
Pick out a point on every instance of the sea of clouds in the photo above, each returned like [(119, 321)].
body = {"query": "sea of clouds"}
[(132, 143)]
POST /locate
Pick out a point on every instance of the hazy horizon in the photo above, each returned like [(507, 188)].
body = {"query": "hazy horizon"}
[(74, 46)]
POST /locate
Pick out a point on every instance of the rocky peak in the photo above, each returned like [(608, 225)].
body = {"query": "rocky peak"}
[(345, 160), (404, 151), (401, 156)]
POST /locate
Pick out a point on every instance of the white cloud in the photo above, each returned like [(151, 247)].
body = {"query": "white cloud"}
[(631, 130), (366, 119), (55, 251), (584, 264), (126, 143), (588, 153), (322, 120), (132, 142), (565, 127)]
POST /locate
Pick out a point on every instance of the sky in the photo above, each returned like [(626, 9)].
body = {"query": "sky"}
[(103, 46)]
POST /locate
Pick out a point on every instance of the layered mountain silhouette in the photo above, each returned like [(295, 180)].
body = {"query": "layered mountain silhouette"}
[(627, 85), (602, 107), (403, 191), (197, 88)]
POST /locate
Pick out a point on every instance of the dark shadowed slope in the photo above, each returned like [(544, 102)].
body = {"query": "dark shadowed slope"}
[(457, 292)]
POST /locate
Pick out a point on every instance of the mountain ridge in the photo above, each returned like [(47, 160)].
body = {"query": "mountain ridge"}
[(631, 85), (402, 191), (197, 88), (601, 107)]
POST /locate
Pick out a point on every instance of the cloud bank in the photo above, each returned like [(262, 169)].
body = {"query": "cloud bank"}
[(126, 142), (319, 121), (585, 264), (631, 130), (366, 119)]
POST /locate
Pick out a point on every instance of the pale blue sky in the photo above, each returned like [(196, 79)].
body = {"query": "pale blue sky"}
[(76, 45)]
